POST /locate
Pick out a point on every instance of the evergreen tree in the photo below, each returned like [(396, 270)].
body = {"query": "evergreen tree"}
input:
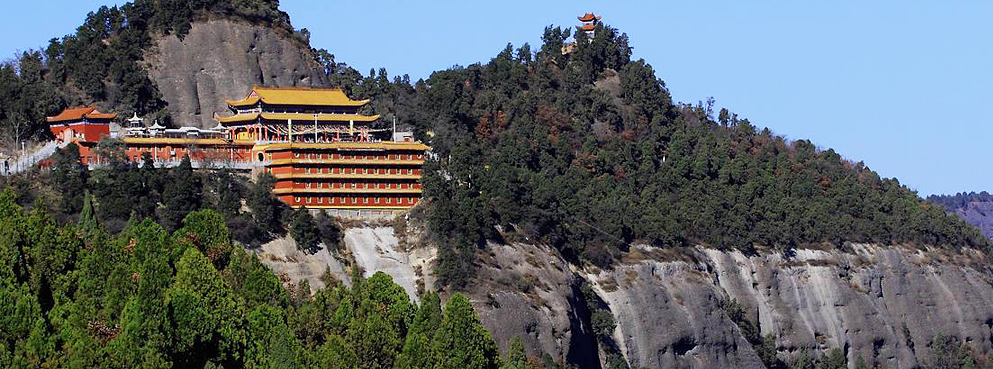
[(69, 176), (516, 357), (87, 216), (183, 194), (461, 341), (263, 205), (303, 230)]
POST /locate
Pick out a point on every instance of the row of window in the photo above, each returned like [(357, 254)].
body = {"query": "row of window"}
[(363, 185), (351, 200), (337, 170), (359, 156)]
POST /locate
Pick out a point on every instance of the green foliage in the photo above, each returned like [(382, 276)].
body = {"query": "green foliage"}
[(26, 97), (87, 217), (461, 341), (331, 232), (123, 301), (304, 231), (205, 231), (183, 195), (69, 177), (101, 61), (948, 352), (516, 358), (834, 359), (264, 206), (603, 324), (586, 151)]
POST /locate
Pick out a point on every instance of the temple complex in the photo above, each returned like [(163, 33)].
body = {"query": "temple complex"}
[(324, 153), (322, 150)]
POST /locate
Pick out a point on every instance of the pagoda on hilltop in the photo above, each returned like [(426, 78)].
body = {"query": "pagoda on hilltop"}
[(589, 23)]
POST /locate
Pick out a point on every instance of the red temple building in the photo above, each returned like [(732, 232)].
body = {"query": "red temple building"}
[(84, 125), (323, 152)]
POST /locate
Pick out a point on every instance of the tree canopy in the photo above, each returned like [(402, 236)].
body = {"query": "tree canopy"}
[(148, 298)]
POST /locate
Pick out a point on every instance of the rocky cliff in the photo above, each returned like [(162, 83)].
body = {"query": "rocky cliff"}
[(883, 304), (221, 59)]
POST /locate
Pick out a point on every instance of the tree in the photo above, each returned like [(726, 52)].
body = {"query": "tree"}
[(87, 217), (303, 230), (461, 341), (70, 176), (516, 357), (183, 194), (417, 345), (331, 231), (263, 205), (834, 359), (205, 230)]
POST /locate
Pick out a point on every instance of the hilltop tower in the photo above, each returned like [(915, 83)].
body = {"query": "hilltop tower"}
[(589, 23)]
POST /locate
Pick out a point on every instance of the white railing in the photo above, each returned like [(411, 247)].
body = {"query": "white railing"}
[(30, 159)]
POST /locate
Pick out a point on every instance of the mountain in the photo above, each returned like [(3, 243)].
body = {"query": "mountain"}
[(705, 308), (975, 208), (220, 59), (577, 206)]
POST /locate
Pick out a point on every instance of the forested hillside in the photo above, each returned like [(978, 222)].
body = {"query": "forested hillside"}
[(586, 151), (975, 208), (75, 296)]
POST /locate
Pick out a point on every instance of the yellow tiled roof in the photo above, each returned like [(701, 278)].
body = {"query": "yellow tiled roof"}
[(297, 96), (299, 117), (382, 145)]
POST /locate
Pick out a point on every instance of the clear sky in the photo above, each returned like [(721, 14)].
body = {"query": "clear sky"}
[(903, 85)]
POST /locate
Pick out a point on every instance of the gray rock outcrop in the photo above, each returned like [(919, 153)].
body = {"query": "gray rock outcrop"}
[(220, 59), (883, 304)]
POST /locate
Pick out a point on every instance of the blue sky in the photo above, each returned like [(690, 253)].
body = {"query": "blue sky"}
[(903, 85)]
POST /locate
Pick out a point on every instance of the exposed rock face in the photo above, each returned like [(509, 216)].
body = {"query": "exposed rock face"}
[(528, 291), (221, 59), (868, 302), (668, 316), (882, 304)]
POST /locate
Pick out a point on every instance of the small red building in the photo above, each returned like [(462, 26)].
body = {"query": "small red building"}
[(84, 125), (80, 123), (589, 23)]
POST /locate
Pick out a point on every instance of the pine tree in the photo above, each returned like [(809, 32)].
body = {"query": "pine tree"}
[(263, 205), (461, 342), (87, 216), (303, 230), (183, 194), (70, 176)]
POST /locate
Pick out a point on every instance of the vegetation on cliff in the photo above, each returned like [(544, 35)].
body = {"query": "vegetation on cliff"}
[(960, 200), (586, 151), (100, 62), (75, 296)]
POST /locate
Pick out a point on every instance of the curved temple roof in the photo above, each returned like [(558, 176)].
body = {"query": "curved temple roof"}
[(301, 117), (297, 96), (78, 113), (588, 17)]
